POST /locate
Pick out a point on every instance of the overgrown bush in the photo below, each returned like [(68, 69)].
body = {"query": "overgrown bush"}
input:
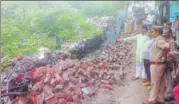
[(28, 25)]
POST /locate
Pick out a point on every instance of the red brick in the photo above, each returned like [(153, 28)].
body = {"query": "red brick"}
[(107, 86), (62, 101), (77, 90), (47, 78), (64, 82), (57, 77), (83, 84), (61, 65), (84, 102), (65, 75), (87, 97), (18, 99), (52, 82), (61, 95), (69, 98), (47, 90), (51, 99), (76, 99), (73, 80), (38, 86), (105, 82)]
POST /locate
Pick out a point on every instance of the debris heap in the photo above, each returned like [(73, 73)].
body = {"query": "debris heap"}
[(77, 81)]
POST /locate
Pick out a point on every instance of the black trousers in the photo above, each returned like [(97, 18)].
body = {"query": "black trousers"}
[(147, 68)]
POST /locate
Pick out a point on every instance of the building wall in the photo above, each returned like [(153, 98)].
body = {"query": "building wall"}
[(174, 10)]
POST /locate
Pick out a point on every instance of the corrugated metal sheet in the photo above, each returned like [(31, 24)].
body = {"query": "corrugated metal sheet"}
[(174, 10)]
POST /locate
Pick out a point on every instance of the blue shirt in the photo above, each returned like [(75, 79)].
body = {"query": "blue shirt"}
[(147, 47)]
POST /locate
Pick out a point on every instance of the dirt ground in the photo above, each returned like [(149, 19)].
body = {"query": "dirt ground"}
[(127, 92), (130, 92)]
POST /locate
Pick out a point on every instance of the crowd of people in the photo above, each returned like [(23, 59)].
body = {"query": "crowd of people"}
[(157, 58)]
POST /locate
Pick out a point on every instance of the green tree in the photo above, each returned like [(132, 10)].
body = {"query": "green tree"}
[(25, 30)]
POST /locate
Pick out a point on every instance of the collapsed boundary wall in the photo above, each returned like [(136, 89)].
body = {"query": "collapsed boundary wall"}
[(82, 47), (108, 37)]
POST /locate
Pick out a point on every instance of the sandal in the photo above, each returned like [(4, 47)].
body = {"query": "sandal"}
[(144, 80), (146, 84)]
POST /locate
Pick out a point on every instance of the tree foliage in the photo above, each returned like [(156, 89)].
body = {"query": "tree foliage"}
[(28, 25)]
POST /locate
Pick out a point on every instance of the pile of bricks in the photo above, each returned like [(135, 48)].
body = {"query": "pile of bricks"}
[(73, 81)]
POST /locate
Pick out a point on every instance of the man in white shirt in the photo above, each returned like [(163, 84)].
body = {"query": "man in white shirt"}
[(146, 59)]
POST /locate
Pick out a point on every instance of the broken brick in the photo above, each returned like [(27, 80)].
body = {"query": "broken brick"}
[(51, 99), (59, 87), (73, 80), (65, 75), (84, 102), (69, 98), (61, 95), (62, 101), (47, 90), (86, 97), (105, 82), (52, 82), (21, 100), (107, 86)]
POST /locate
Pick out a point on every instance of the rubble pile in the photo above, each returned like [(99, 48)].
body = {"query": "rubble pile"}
[(26, 63), (77, 80), (74, 81)]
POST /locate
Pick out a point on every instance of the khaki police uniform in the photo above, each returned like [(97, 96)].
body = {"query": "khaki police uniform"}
[(158, 55)]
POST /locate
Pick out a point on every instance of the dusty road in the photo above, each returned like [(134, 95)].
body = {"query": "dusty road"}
[(131, 92)]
